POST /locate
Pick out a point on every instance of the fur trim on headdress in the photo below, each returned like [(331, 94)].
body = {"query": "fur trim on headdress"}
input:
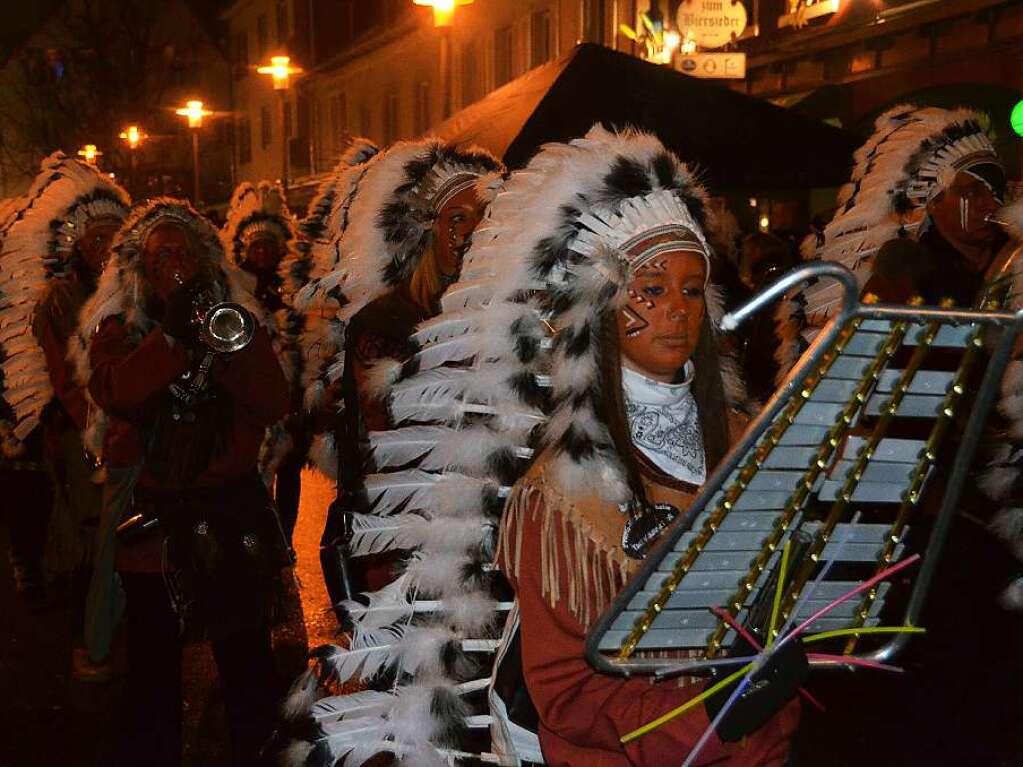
[(39, 236), (121, 290)]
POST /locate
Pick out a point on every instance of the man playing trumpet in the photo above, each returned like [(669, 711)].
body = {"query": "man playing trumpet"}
[(177, 355)]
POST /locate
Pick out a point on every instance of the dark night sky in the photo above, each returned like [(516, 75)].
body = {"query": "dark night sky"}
[(22, 19)]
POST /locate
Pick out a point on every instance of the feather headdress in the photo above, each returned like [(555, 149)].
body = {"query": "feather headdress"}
[(327, 219), (592, 206), (914, 155), (390, 227), (321, 234), (39, 236), (122, 286)]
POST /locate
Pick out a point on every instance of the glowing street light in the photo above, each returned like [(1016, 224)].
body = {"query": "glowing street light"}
[(134, 136), (280, 70), (89, 153), (195, 112), (443, 10), (443, 14)]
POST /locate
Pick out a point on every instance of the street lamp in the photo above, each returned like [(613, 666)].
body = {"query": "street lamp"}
[(443, 15), (195, 113), (89, 153), (280, 70), (443, 10), (133, 137)]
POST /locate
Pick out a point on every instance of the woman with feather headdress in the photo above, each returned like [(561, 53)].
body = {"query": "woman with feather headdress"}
[(55, 242), (411, 219), (619, 232)]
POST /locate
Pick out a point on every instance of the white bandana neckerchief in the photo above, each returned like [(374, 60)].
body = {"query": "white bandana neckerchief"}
[(665, 424)]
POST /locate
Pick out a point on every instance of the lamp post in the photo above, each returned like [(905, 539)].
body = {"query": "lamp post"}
[(443, 17), (195, 112), (280, 70), (89, 153), (133, 136)]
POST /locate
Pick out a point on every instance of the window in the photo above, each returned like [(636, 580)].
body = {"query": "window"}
[(244, 140), (422, 114), (282, 22), (365, 121), (502, 56), (241, 54), (265, 127), (339, 115), (262, 36), (391, 117), (470, 74), (539, 38)]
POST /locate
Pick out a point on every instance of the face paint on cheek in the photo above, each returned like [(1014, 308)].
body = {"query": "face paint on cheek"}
[(635, 322), (964, 213)]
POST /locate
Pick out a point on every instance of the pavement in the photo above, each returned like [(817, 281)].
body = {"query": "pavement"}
[(49, 718)]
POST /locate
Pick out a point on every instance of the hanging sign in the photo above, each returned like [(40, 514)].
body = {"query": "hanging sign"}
[(726, 66), (711, 23)]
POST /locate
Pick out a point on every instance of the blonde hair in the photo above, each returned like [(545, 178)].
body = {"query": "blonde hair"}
[(427, 282)]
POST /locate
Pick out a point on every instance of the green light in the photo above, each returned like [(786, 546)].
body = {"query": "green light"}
[(1016, 118)]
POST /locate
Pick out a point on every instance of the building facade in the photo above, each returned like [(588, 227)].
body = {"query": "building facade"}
[(383, 70)]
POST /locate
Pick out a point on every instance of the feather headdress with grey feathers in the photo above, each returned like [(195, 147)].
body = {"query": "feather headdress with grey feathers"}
[(39, 235)]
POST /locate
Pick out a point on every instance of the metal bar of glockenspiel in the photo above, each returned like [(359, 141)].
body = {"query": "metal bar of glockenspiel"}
[(960, 468)]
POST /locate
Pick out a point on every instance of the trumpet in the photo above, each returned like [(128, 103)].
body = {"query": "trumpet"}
[(223, 326)]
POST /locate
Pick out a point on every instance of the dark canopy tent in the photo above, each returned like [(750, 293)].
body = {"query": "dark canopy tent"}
[(737, 141)]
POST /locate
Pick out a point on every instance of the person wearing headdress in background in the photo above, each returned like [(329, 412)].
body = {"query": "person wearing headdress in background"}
[(198, 546), (259, 237), (54, 247), (410, 222), (919, 222)]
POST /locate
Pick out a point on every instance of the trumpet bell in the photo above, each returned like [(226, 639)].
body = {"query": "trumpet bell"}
[(227, 327)]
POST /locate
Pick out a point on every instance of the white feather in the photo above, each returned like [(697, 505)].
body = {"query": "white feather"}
[(373, 534), (398, 447)]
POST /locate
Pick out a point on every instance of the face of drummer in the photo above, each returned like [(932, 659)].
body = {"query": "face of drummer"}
[(660, 324), (960, 213), (168, 258), (453, 229)]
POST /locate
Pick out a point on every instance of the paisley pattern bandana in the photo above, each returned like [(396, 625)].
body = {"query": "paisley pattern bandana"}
[(665, 424)]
